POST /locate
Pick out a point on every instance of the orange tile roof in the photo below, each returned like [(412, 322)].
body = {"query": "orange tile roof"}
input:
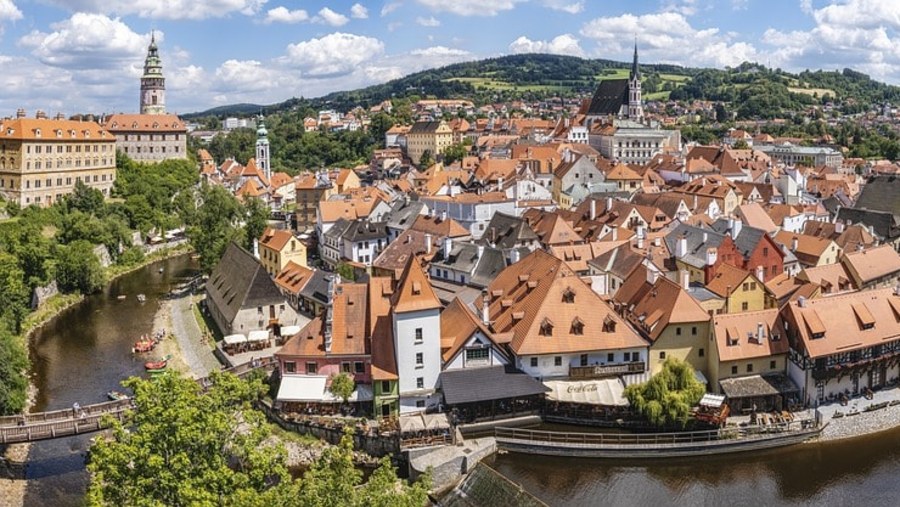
[(810, 248), (727, 279), (458, 324), (294, 277), (414, 292), (384, 362), (873, 263), (653, 307), (332, 211), (439, 227), (733, 331), (276, 239), (280, 179), (842, 326), (28, 128), (349, 332), (530, 294), (145, 123), (831, 277)]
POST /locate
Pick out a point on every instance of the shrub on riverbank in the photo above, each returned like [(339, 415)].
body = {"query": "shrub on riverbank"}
[(667, 398)]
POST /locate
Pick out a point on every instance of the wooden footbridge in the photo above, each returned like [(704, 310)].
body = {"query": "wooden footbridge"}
[(90, 418)]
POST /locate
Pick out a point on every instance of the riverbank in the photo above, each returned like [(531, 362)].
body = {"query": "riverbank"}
[(861, 417), (13, 489), (185, 341)]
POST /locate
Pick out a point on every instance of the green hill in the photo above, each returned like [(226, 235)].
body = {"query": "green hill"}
[(753, 91)]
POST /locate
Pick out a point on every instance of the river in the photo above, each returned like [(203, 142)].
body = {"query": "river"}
[(81, 355), (85, 352)]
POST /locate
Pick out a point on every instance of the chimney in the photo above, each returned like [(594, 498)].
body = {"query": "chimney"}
[(256, 248), (448, 247), (736, 227), (59, 116), (485, 308), (608, 204), (40, 115), (711, 256), (615, 234), (760, 332), (839, 227), (427, 243), (514, 256), (640, 242), (705, 237), (480, 251), (443, 215), (640, 232), (761, 273), (681, 246), (652, 275), (20, 113), (801, 302), (593, 209), (794, 244), (684, 279)]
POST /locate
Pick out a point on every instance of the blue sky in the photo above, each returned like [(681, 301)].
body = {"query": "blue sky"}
[(86, 55)]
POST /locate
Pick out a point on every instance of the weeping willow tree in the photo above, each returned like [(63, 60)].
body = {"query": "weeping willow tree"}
[(666, 399)]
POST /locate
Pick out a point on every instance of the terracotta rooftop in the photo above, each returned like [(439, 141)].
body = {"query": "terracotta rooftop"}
[(349, 332), (655, 306), (872, 264), (749, 335), (293, 277), (727, 279), (275, 239), (414, 292)]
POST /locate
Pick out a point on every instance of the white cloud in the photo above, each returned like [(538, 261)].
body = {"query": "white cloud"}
[(564, 44), (740, 5), (683, 7), (88, 41), (329, 17), (281, 14), (471, 7), (441, 52), (430, 21), (806, 6), (334, 54), (390, 7), (164, 9), (359, 11), (572, 7), (667, 37), (9, 11)]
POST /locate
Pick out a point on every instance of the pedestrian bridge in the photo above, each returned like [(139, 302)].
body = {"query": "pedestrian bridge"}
[(90, 418)]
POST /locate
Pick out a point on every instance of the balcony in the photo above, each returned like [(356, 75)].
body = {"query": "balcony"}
[(609, 370)]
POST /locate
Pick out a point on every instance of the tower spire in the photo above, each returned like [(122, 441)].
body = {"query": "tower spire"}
[(153, 83), (635, 69)]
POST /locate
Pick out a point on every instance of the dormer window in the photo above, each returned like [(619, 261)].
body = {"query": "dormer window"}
[(577, 326), (568, 296), (58, 133), (609, 324), (37, 132), (546, 328)]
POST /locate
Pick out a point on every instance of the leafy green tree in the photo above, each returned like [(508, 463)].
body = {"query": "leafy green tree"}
[(667, 398), (345, 271), (78, 269), (342, 386), (214, 224), (455, 153), (182, 446), (426, 160), (257, 214), (13, 368), (14, 293), (740, 144), (86, 199), (380, 123)]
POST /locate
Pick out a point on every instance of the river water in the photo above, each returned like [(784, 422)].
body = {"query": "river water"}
[(86, 352), (82, 355)]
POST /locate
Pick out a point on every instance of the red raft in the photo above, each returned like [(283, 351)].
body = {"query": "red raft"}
[(157, 365)]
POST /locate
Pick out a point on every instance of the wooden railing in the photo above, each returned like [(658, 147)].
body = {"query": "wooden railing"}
[(96, 409), (81, 423), (609, 370), (651, 439)]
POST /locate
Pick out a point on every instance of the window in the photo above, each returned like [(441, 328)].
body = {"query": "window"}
[(662, 354), (311, 368), (772, 364), (345, 367), (746, 286), (584, 360), (420, 404), (678, 331), (693, 330), (745, 306), (385, 386), (546, 328), (749, 367), (419, 335), (420, 382), (568, 296), (765, 251), (420, 360), (557, 361), (577, 327), (290, 367), (481, 354), (734, 370), (534, 362), (610, 357), (359, 367)]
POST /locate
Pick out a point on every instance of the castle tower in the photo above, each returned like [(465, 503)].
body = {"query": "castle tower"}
[(262, 150), (635, 108), (153, 84)]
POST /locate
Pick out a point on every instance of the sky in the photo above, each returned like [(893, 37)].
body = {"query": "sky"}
[(75, 56)]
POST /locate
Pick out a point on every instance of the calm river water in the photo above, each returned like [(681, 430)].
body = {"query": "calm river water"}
[(80, 356), (86, 352)]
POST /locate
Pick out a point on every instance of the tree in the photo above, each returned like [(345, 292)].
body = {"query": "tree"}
[(667, 398), (257, 214), (86, 199), (455, 152), (740, 144), (14, 294), (13, 368), (78, 269), (426, 160), (345, 271), (342, 386), (214, 224)]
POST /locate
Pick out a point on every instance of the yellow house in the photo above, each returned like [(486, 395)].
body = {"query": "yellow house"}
[(749, 360), (277, 248), (667, 317), (811, 251), (431, 136), (346, 180), (743, 292)]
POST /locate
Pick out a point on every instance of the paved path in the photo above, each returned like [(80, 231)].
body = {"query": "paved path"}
[(198, 356)]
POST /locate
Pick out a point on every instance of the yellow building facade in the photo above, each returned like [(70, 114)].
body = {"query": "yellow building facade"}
[(431, 136), (42, 159), (279, 247)]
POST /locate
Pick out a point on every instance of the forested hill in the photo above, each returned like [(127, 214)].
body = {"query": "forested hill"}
[(534, 76)]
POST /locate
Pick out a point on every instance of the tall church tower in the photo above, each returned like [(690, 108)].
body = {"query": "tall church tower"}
[(153, 84), (262, 150), (635, 109)]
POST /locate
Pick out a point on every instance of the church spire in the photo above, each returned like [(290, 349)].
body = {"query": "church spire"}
[(635, 70)]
